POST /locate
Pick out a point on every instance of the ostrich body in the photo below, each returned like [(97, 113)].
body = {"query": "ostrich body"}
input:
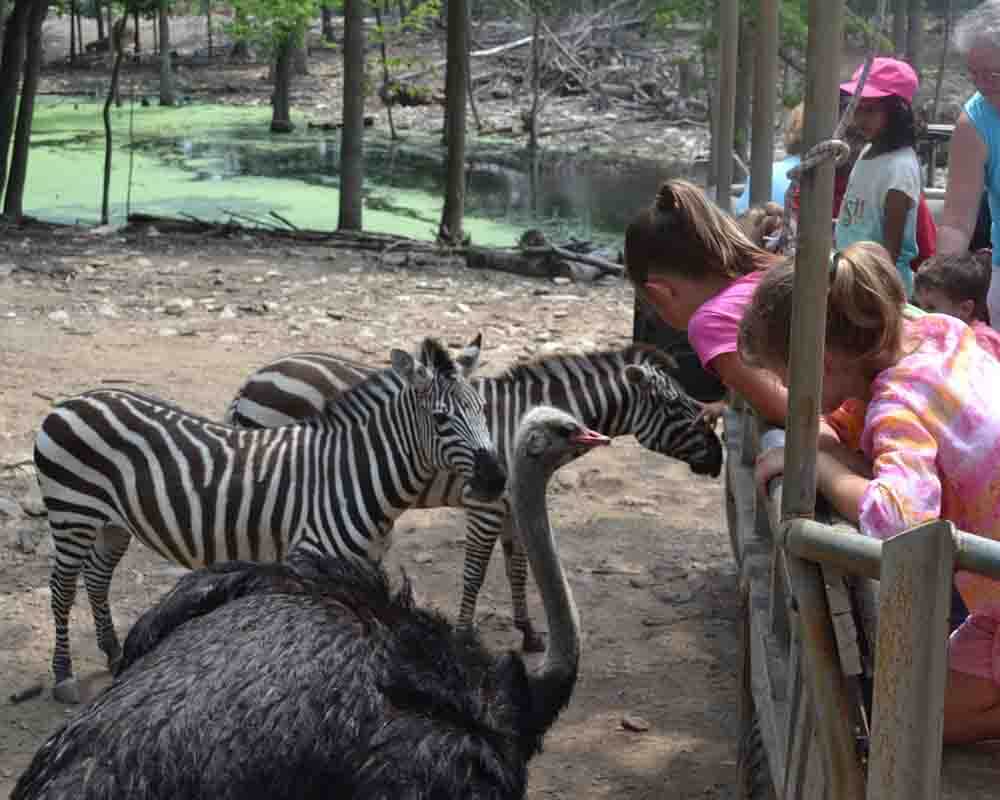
[(311, 679)]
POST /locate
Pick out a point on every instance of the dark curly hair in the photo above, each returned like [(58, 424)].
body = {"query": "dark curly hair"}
[(901, 127)]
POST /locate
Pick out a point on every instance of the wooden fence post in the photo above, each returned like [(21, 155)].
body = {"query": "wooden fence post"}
[(911, 664)]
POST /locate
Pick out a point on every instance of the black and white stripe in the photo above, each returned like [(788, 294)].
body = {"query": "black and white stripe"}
[(627, 391), (114, 464)]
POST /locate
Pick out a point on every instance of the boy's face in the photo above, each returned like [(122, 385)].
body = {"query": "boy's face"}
[(934, 301)]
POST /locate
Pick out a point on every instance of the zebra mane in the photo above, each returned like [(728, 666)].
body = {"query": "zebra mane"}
[(435, 355), (630, 354)]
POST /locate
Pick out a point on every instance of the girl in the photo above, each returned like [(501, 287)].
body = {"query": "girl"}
[(698, 269), (883, 192), (928, 440), (695, 266)]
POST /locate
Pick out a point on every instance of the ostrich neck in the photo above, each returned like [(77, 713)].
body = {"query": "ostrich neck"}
[(531, 518)]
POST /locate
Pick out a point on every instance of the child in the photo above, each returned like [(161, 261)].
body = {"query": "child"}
[(929, 439), (698, 269), (792, 136), (957, 285), (883, 192)]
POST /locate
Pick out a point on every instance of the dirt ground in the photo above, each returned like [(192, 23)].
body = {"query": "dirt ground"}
[(187, 318)]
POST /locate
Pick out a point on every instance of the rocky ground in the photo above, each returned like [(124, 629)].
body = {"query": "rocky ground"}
[(654, 713)]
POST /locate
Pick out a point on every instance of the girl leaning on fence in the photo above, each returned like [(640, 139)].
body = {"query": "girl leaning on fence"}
[(928, 441)]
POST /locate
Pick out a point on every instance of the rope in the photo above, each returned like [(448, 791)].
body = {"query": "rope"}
[(833, 149)]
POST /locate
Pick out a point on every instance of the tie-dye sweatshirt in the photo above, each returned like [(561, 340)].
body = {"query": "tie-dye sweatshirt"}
[(931, 431)]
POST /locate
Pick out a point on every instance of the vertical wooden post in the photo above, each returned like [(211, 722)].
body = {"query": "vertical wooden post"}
[(828, 691), (729, 35), (765, 88), (911, 664)]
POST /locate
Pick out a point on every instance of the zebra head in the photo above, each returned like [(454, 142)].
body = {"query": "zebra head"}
[(449, 415), (665, 418)]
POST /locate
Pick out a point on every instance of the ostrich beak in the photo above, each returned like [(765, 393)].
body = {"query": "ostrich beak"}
[(588, 438)]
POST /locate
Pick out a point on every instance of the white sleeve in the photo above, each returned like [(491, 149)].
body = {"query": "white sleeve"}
[(904, 174)]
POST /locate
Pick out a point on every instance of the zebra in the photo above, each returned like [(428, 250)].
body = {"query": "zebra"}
[(618, 392), (113, 464)]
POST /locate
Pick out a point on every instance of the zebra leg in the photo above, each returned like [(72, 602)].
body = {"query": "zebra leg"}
[(107, 551), (71, 548), (483, 526), (516, 563)]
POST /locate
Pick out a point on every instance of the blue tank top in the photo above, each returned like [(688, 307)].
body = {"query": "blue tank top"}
[(986, 121)]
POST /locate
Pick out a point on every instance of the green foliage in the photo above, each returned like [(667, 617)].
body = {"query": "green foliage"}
[(417, 20), (272, 24)]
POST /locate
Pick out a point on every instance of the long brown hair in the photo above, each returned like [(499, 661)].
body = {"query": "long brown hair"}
[(864, 317), (683, 233)]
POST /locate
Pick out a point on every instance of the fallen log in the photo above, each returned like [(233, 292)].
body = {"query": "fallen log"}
[(516, 261), (606, 267)]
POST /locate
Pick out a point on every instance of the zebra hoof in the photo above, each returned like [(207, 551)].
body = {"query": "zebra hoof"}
[(66, 691)]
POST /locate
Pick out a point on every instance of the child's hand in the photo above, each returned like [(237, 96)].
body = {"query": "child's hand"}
[(770, 464), (710, 413)]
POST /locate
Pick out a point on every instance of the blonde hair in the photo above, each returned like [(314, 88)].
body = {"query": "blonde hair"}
[(864, 315), (683, 233), (792, 134)]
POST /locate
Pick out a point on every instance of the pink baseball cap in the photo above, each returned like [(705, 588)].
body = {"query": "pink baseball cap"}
[(887, 76)]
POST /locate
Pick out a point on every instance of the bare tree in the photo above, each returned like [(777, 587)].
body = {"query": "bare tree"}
[(328, 33), (899, 27), (300, 57), (352, 166), (14, 198), (383, 48), (744, 89), (453, 212), (281, 114), (15, 41), (117, 33), (167, 94), (536, 80), (915, 35), (948, 18)]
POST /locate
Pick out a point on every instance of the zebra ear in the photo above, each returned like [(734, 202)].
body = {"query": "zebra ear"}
[(469, 358), (417, 375), (636, 375), (403, 363)]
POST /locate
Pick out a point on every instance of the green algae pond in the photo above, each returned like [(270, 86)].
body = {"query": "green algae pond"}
[(214, 161)]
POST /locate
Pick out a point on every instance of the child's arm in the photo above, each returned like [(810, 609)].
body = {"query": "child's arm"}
[(897, 206), (757, 386)]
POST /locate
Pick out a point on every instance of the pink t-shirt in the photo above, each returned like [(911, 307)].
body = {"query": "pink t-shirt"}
[(987, 338), (715, 326)]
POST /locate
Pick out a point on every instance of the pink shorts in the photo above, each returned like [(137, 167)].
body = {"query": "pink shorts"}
[(974, 647)]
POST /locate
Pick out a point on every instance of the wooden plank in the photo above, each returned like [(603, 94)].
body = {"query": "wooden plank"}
[(768, 686), (912, 664)]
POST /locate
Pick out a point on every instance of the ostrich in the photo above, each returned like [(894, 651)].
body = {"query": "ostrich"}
[(311, 679)]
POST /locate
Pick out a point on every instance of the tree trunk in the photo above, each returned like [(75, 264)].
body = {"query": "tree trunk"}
[(14, 41), (79, 29), (948, 17), (135, 19), (536, 81), (99, 17), (899, 27), (352, 166), (329, 35), (281, 119), (167, 94), (383, 48), (3, 19), (468, 72), (72, 32), (744, 90), (455, 72), (208, 25), (110, 25), (13, 206), (915, 35), (300, 58), (117, 51)]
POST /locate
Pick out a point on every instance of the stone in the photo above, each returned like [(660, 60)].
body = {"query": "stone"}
[(31, 502), (561, 280), (178, 305), (228, 312), (59, 316), (635, 723)]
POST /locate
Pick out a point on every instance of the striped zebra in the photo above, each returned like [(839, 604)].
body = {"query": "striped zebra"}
[(627, 391), (113, 464)]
